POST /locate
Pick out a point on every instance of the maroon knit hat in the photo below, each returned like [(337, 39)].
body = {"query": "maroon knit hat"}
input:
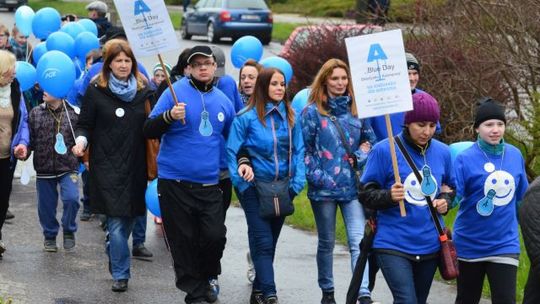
[(425, 108)]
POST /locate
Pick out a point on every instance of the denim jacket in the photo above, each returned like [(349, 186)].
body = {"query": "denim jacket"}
[(268, 147), (328, 171)]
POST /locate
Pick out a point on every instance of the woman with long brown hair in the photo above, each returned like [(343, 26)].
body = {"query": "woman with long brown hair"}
[(329, 161), (111, 122), (267, 130)]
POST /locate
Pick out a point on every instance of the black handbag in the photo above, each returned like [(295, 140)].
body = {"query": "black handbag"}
[(274, 197), (448, 262)]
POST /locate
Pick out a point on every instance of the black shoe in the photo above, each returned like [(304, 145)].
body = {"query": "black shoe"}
[(328, 298), (211, 294), (69, 241), (365, 300), (141, 252), (271, 300), (85, 216), (50, 245), (256, 297), (9, 215), (120, 285)]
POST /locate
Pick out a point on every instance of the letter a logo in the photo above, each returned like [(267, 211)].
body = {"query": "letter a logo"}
[(141, 7), (376, 53)]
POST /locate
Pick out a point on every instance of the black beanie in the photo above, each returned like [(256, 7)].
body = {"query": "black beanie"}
[(487, 109)]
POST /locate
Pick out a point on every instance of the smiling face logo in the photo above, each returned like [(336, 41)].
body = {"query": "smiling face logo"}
[(503, 184), (413, 191)]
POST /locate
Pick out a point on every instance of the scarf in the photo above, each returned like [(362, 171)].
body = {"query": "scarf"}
[(5, 96), (125, 90), (339, 105)]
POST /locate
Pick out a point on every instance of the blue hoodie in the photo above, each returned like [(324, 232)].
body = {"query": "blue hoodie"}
[(184, 153), (265, 145), (328, 172)]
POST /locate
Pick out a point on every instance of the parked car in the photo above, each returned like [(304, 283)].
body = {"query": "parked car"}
[(303, 34), (228, 18), (11, 5)]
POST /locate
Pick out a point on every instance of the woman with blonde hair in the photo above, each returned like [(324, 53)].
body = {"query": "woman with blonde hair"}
[(111, 123), (331, 164)]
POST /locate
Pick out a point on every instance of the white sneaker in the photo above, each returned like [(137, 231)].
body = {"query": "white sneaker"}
[(251, 269)]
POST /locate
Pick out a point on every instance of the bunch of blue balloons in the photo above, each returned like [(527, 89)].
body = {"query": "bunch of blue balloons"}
[(58, 58), (249, 47)]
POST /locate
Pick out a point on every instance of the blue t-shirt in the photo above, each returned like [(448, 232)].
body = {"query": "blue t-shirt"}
[(477, 172), (185, 153), (414, 233)]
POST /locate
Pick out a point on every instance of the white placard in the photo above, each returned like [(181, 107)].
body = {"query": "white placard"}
[(148, 26), (379, 73)]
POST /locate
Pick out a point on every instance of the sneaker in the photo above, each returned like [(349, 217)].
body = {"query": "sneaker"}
[(328, 297), (256, 297), (213, 291), (251, 269), (50, 246), (9, 215), (120, 285), (141, 252), (271, 300), (85, 216), (69, 241), (2, 249), (364, 300)]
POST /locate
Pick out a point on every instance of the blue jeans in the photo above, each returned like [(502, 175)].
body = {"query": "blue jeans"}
[(48, 201), (139, 231), (409, 281), (118, 231), (263, 235), (325, 219)]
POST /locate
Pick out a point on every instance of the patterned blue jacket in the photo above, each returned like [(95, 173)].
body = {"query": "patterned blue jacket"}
[(328, 171)]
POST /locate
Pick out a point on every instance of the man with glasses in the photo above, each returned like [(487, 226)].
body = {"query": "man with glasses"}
[(188, 173)]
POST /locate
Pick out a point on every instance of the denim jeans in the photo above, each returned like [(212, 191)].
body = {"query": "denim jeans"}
[(325, 219), (47, 191), (118, 231), (409, 281), (263, 235), (139, 231)]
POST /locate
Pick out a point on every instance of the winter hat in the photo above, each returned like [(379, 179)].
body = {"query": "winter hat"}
[(158, 67), (425, 108), (412, 62), (486, 109), (220, 60), (98, 6)]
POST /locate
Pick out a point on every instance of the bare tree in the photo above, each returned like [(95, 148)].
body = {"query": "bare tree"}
[(474, 48)]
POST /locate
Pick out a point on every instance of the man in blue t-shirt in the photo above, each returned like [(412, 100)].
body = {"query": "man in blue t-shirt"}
[(188, 173)]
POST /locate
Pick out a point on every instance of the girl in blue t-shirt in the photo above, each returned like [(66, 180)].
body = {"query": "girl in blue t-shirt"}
[(491, 182), (407, 248)]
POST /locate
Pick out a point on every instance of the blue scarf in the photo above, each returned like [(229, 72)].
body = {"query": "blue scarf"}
[(125, 90), (339, 105)]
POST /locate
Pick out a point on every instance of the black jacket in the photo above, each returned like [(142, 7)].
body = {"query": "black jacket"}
[(529, 219), (114, 130)]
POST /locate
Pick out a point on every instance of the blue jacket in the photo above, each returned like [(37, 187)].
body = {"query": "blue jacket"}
[(328, 172), (20, 123), (185, 154), (268, 147)]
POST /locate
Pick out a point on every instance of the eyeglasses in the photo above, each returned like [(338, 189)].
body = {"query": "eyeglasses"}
[(200, 65)]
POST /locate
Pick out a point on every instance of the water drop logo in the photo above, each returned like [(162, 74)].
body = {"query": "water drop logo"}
[(377, 53)]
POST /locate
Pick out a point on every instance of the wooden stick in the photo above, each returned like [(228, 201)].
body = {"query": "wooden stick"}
[(169, 83), (394, 160)]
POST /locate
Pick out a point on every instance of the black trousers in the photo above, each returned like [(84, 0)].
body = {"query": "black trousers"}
[(226, 187), (532, 290), (6, 181), (501, 278), (195, 231)]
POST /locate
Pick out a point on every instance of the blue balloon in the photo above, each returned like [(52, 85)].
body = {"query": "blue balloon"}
[(247, 47), (457, 148), (89, 26), (56, 73), (73, 29), (25, 74), (60, 41), (46, 21), (280, 64), (23, 19), (152, 199), (300, 101), (39, 50), (85, 43)]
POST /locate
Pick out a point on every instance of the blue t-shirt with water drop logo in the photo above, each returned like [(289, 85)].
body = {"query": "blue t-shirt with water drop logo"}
[(477, 174)]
